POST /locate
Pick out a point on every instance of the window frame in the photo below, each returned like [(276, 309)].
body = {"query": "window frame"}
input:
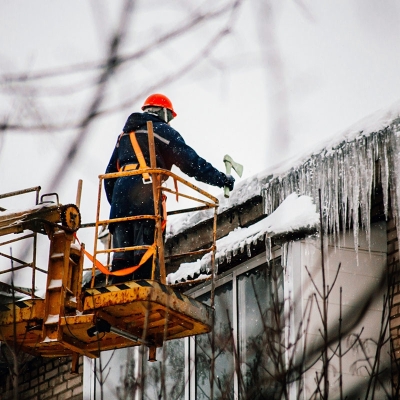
[(228, 276)]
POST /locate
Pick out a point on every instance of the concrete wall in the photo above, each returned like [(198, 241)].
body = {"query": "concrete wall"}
[(356, 298), (43, 378), (394, 285)]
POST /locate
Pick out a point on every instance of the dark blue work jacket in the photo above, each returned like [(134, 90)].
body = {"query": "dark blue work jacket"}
[(128, 195)]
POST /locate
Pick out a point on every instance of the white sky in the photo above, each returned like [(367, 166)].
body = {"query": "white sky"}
[(289, 74)]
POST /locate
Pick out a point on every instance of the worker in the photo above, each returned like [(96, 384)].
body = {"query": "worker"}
[(131, 196)]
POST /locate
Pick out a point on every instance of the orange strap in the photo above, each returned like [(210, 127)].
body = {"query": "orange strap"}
[(164, 211), (139, 155), (122, 272)]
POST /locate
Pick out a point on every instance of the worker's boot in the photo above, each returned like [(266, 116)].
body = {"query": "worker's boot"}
[(144, 272)]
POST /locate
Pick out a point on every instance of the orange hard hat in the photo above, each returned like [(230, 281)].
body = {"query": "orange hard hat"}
[(159, 100)]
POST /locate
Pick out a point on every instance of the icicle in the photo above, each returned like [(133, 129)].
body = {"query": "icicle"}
[(383, 156), (248, 248), (346, 176), (284, 255), (228, 256), (268, 249)]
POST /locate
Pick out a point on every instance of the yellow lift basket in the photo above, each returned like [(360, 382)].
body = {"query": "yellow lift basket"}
[(71, 321)]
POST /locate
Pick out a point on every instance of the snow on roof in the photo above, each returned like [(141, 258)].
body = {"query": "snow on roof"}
[(341, 169), (295, 213), (244, 190)]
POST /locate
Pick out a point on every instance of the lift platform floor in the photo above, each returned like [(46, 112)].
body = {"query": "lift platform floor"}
[(135, 312)]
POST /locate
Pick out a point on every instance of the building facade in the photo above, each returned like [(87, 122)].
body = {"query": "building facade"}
[(306, 291)]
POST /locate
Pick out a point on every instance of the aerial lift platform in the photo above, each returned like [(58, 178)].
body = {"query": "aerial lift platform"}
[(72, 321)]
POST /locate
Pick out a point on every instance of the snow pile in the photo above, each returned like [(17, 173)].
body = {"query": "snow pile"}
[(17, 215), (52, 319), (295, 213), (24, 212), (55, 283)]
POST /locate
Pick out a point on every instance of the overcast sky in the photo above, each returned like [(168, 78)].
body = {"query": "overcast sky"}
[(286, 75)]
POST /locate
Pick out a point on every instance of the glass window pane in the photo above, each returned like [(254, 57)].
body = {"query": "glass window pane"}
[(125, 365), (223, 345), (165, 379), (260, 332)]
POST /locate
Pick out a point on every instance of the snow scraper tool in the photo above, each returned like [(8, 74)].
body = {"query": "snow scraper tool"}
[(229, 164)]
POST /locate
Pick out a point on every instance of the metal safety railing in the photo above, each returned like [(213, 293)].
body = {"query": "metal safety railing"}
[(9, 224), (208, 202)]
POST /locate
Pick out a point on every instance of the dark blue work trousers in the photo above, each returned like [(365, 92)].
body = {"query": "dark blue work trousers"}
[(132, 233)]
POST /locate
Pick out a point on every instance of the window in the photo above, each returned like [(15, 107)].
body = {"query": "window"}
[(248, 347), (260, 328), (248, 336), (223, 349), (165, 378)]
